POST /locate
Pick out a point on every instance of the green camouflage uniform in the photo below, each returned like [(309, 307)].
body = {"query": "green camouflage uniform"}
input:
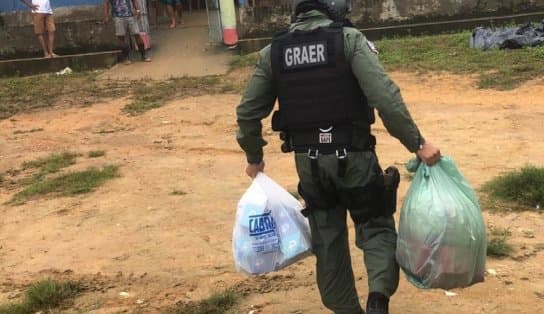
[(376, 236)]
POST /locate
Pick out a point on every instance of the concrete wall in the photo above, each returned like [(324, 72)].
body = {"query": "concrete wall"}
[(267, 16), (79, 30), (17, 5)]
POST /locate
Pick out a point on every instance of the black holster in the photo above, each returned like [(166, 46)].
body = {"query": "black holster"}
[(378, 199), (390, 181)]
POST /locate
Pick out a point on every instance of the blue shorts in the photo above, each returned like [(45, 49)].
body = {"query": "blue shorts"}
[(173, 2)]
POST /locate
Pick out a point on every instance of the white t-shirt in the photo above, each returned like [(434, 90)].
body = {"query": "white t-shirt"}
[(43, 6)]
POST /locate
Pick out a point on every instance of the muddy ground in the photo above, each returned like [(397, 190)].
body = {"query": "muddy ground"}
[(135, 235)]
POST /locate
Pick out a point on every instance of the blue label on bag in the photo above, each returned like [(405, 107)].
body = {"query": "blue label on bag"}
[(262, 230), (261, 224)]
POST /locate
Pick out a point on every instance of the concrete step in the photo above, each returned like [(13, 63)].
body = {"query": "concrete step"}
[(77, 62)]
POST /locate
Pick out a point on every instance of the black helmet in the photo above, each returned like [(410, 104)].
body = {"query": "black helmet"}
[(336, 9)]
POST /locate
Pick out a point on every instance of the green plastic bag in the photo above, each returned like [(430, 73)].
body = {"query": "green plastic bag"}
[(442, 239)]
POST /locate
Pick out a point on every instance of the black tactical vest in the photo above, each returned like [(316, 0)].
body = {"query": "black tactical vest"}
[(315, 85)]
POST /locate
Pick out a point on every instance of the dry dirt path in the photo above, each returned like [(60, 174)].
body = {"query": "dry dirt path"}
[(133, 235), (183, 51)]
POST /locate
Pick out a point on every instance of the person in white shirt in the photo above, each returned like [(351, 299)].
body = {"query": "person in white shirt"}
[(42, 16)]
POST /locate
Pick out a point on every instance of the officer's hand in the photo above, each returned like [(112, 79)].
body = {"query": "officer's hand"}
[(429, 154), (253, 169)]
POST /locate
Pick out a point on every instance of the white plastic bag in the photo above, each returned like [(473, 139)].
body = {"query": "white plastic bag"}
[(269, 233)]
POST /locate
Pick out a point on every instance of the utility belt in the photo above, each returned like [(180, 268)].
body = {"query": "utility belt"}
[(326, 141), (329, 140), (376, 199)]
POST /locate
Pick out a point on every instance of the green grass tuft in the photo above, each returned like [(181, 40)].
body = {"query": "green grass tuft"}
[(13, 309), (155, 95), (43, 296), (52, 163), (50, 294), (218, 303), (243, 61), (67, 184), (499, 247), (497, 242), (96, 153), (498, 69), (524, 187), (23, 94)]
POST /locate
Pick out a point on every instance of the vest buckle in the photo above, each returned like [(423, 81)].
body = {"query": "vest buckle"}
[(341, 153), (313, 153)]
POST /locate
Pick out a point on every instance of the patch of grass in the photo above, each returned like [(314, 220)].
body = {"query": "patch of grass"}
[(22, 94), (43, 296), (67, 184), (13, 309), (96, 153), (218, 303), (178, 192), (499, 69), (497, 242), (52, 163), (499, 247), (243, 61), (154, 95), (524, 187)]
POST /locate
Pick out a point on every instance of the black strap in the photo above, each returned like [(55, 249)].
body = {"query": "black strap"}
[(342, 167), (315, 172)]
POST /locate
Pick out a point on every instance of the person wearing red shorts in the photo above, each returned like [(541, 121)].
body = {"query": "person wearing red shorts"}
[(42, 16)]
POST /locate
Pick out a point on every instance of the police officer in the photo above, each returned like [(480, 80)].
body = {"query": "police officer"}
[(327, 79)]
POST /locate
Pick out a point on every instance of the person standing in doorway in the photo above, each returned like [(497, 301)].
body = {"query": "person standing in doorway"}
[(42, 17), (124, 13)]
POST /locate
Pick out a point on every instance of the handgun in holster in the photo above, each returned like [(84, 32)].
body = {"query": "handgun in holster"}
[(391, 181)]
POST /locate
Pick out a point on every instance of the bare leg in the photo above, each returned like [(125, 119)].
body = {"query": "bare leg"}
[(141, 48), (44, 46), (51, 44), (171, 15), (154, 13), (179, 11), (125, 49)]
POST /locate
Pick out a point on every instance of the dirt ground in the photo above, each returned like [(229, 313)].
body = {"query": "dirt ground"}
[(183, 51), (134, 235)]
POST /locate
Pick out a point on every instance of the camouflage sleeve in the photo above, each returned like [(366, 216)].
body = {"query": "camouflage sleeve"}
[(382, 93), (256, 104)]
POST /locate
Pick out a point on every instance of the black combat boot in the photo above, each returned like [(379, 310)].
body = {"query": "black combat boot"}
[(377, 303)]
